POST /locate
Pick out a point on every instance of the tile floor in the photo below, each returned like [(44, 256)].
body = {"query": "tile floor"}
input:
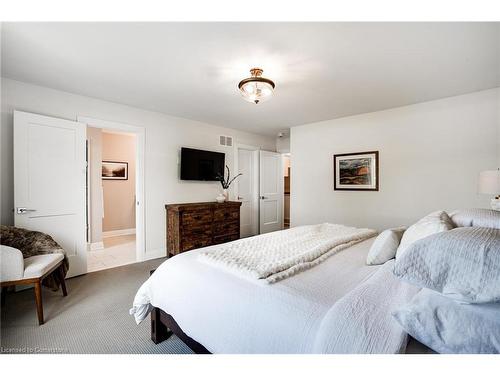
[(118, 251)]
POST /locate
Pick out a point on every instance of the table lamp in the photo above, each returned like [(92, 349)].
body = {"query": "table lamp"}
[(489, 183)]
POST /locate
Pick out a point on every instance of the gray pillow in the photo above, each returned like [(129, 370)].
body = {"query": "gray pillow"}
[(449, 326), (463, 263), (476, 217)]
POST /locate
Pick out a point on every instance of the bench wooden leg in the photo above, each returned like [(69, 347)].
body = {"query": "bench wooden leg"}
[(61, 279), (38, 299)]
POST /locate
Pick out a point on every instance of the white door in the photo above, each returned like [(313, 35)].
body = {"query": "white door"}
[(271, 192), (247, 189), (49, 182)]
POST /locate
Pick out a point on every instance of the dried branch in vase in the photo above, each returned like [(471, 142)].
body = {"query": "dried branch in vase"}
[(226, 183)]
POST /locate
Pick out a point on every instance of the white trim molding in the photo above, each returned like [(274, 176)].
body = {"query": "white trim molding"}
[(118, 232), (95, 246), (154, 254)]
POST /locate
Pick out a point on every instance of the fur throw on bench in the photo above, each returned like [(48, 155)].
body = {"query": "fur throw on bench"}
[(32, 243)]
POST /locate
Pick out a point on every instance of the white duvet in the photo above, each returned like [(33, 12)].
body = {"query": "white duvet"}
[(339, 306)]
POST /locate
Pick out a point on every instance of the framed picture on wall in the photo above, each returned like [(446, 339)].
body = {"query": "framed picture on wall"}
[(114, 170), (356, 171)]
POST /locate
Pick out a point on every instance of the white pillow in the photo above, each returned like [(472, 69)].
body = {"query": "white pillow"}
[(476, 217), (385, 246), (449, 326), (463, 263), (435, 222)]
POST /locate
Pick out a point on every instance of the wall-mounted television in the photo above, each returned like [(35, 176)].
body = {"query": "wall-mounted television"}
[(201, 165)]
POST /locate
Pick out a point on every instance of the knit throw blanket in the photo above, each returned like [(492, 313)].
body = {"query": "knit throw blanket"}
[(32, 243), (278, 255)]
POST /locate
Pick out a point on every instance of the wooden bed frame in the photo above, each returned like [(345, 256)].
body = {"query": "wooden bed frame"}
[(164, 325)]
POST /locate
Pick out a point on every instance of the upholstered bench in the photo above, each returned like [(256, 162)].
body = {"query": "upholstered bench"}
[(32, 270)]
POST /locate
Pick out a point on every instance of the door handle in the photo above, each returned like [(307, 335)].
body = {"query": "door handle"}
[(23, 210), (240, 198), (263, 197)]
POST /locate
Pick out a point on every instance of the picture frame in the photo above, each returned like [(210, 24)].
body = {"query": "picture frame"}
[(114, 170), (357, 171)]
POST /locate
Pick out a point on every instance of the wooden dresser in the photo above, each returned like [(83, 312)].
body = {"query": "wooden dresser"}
[(194, 225)]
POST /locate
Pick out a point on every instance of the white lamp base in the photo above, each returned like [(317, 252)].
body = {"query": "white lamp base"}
[(495, 204)]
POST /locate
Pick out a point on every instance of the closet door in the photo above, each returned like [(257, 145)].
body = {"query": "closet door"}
[(271, 192), (49, 182), (247, 189)]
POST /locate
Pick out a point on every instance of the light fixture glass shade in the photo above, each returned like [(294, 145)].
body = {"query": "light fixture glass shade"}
[(256, 92), (489, 182), (256, 89)]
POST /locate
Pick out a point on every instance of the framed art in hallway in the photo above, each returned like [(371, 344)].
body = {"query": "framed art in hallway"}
[(356, 171), (115, 170)]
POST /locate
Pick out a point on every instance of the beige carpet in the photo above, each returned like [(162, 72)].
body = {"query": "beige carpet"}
[(93, 318)]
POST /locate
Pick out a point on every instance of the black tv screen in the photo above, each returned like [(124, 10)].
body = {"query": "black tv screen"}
[(201, 165)]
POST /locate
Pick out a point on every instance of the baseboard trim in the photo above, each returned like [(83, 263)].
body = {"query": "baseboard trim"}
[(154, 254), (119, 232), (95, 246)]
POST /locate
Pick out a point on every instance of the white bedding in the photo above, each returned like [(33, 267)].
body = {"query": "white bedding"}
[(228, 314)]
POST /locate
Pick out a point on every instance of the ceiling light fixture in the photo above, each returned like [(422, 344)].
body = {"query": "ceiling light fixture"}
[(256, 88)]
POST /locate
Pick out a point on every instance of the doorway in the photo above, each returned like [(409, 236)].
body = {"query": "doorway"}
[(56, 166), (111, 216), (115, 194)]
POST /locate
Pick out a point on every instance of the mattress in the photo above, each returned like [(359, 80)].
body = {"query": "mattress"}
[(229, 314)]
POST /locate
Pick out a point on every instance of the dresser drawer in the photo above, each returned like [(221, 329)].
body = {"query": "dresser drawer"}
[(226, 238), (226, 214), (196, 217), (197, 230), (226, 228), (195, 242)]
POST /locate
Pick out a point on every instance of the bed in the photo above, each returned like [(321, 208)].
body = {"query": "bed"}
[(339, 306)]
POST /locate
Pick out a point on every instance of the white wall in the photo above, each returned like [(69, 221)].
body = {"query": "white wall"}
[(430, 157), (165, 135)]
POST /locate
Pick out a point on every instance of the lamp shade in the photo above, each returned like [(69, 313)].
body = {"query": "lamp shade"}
[(489, 182), (256, 88)]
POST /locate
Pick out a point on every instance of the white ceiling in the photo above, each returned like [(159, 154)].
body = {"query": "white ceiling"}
[(322, 70)]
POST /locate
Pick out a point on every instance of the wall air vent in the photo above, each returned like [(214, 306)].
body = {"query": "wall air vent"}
[(225, 141)]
